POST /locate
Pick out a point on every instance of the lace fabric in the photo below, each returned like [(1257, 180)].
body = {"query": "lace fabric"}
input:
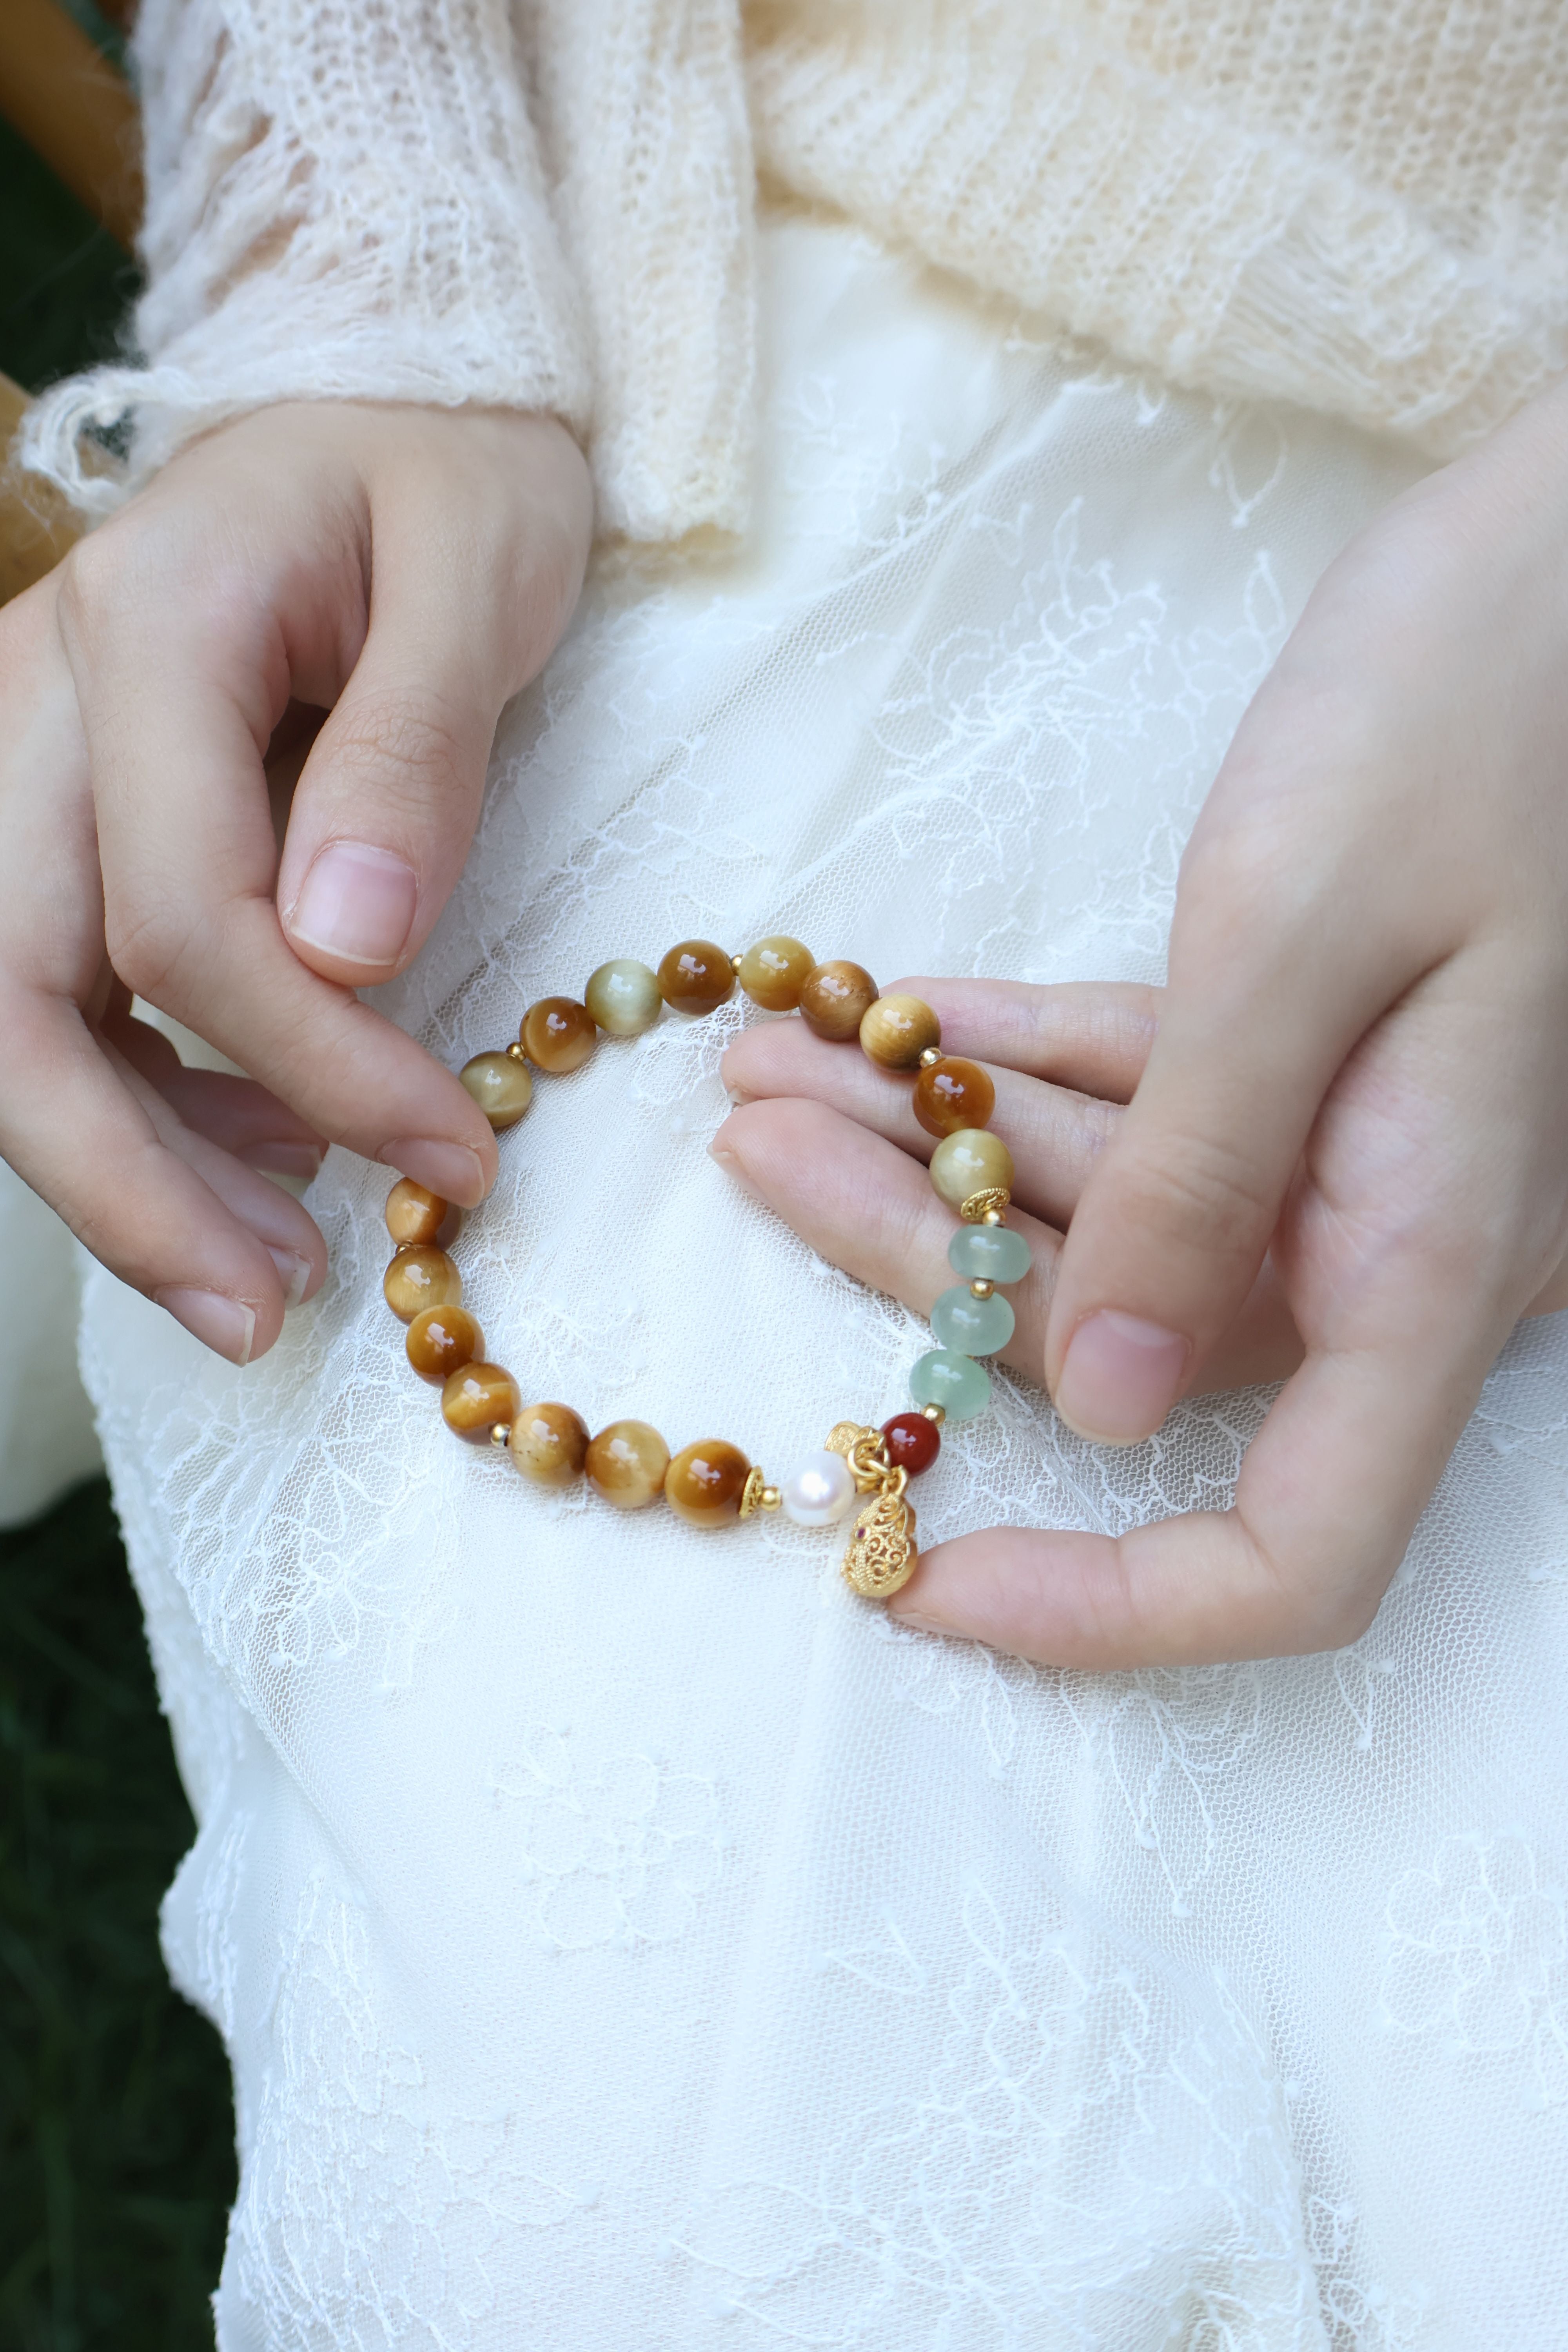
[(624, 1937)]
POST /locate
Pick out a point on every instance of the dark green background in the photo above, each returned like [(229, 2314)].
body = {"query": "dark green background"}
[(116, 2130)]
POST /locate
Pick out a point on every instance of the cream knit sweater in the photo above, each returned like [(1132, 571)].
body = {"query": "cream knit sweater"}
[(1358, 204)]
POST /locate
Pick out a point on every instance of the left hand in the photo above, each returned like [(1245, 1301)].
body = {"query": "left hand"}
[(1353, 1117)]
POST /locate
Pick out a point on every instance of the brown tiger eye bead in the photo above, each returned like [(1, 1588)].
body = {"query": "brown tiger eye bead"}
[(953, 1093), (896, 1030), (413, 1214), (705, 1481), (548, 1442), (441, 1340), (501, 1085), (475, 1397), (627, 1463), (696, 977), (558, 1034), (421, 1276), (774, 972), (835, 997)]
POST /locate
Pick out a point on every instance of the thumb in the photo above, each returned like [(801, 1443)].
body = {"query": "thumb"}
[(465, 608), (1176, 1221)]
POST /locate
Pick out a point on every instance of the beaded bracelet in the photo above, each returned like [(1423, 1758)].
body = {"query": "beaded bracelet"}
[(711, 1482)]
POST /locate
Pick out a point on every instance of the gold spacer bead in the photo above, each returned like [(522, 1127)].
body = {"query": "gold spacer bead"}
[(937, 1412), (770, 1498), (984, 1208), (981, 1288), (515, 1051), (736, 961), (931, 1057), (500, 1432)]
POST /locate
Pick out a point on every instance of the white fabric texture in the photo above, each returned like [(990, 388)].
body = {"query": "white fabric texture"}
[(623, 1936), (1359, 205)]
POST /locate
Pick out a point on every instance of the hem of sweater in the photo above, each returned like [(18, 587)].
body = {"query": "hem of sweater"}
[(1441, 394), (644, 493)]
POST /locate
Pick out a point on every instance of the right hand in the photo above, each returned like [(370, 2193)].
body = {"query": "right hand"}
[(407, 569)]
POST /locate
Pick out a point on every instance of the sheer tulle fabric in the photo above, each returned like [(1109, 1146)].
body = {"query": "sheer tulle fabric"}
[(622, 1936)]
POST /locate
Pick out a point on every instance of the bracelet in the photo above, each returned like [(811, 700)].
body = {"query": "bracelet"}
[(712, 1482)]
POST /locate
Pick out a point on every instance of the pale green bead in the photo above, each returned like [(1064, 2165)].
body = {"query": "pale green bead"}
[(989, 1253), (960, 1386), (972, 1160), (623, 997), (970, 1325)]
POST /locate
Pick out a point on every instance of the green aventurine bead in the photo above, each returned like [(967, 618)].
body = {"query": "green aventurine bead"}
[(988, 1254), (960, 1386), (970, 1325)]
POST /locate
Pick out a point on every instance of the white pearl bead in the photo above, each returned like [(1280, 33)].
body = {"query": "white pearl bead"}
[(818, 1490)]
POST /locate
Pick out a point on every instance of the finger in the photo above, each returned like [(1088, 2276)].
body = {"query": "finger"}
[(237, 1114), (462, 615), (1093, 1037), (286, 1230), (178, 707), (86, 1137), (1055, 1136), (866, 1205)]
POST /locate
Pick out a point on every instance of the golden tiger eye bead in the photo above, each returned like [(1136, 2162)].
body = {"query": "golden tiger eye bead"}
[(501, 1085), (421, 1276), (835, 997), (774, 972), (627, 1463), (696, 977), (475, 1397), (623, 997), (413, 1214), (972, 1160), (441, 1340), (548, 1444), (896, 1030), (951, 1094), (705, 1481), (558, 1034)]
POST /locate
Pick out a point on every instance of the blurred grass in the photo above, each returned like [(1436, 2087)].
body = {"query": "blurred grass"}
[(116, 2137), (65, 285), (116, 2127)]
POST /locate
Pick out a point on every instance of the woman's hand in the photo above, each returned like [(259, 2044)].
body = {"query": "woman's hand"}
[(408, 569), (1359, 1074)]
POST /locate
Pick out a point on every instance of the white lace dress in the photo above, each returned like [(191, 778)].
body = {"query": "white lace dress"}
[(625, 1940)]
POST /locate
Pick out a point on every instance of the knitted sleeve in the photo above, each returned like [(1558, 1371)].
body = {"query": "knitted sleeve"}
[(366, 199)]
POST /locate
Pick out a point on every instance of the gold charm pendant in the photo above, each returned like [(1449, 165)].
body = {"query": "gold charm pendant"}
[(882, 1550)]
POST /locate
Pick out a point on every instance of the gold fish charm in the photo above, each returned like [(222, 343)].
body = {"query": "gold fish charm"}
[(882, 1550)]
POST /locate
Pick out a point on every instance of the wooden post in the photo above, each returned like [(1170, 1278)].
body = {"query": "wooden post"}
[(36, 526), (73, 109)]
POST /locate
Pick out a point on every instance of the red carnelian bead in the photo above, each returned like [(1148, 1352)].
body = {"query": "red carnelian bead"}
[(913, 1441)]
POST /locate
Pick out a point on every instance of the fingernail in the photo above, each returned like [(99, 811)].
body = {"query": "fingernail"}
[(357, 902), (293, 1273), (737, 1097), (450, 1169), (1121, 1377), (219, 1323), (725, 1158), (301, 1159)]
